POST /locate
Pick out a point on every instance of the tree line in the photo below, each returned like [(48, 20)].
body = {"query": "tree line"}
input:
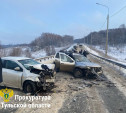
[(115, 37), (51, 39)]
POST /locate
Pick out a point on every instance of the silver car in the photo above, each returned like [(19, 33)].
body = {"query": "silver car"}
[(26, 74)]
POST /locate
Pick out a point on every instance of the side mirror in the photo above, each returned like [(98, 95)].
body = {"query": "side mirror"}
[(17, 69)]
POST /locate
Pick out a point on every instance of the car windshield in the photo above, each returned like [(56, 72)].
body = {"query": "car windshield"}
[(27, 62), (80, 58)]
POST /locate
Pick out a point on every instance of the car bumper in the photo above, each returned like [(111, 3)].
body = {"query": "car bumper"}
[(46, 82)]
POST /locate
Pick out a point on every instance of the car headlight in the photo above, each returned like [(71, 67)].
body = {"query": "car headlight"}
[(37, 79), (88, 67)]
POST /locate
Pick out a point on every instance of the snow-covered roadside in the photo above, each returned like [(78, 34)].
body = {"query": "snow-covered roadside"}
[(7, 51), (91, 51), (115, 52), (96, 53), (38, 54), (119, 61)]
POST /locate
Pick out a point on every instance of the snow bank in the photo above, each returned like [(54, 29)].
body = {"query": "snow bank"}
[(91, 51), (38, 54), (118, 52)]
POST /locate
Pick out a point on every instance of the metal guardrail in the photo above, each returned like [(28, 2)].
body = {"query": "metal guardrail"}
[(119, 64), (111, 61), (105, 59), (45, 58), (42, 59)]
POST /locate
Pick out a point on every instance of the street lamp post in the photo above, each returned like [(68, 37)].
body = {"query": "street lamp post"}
[(106, 51)]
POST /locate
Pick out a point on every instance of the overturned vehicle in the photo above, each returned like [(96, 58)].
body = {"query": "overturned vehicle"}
[(78, 64), (26, 74)]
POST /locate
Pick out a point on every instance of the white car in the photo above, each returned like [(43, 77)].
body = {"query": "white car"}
[(26, 74)]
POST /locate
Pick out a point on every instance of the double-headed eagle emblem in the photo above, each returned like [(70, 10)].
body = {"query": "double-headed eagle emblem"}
[(6, 94)]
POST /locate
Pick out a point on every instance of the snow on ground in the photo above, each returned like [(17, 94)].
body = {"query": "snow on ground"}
[(38, 54), (42, 53), (118, 52), (57, 49), (91, 51), (7, 51)]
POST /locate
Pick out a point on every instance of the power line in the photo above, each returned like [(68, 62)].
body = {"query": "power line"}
[(118, 11), (103, 24), (113, 15)]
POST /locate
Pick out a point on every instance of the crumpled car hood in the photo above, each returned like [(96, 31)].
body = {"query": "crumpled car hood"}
[(38, 66), (86, 64)]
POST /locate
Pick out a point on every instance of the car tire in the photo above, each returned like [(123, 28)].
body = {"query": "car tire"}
[(57, 69), (78, 73), (30, 87)]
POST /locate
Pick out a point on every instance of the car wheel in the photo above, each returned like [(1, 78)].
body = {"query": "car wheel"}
[(78, 73), (30, 87), (56, 69)]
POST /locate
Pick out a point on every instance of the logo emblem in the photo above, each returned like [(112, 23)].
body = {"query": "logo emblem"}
[(6, 94)]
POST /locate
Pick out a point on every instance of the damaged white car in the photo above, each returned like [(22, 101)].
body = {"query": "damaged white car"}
[(26, 74)]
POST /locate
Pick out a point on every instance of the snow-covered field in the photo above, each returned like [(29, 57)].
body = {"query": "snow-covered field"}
[(57, 49), (118, 52), (7, 51), (42, 52), (91, 51), (36, 54)]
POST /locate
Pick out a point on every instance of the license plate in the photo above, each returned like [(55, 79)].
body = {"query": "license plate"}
[(50, 80)]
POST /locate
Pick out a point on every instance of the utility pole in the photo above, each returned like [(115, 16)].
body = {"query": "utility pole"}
[(106, 51)]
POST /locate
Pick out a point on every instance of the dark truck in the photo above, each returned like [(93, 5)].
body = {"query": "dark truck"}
[(78, 64)]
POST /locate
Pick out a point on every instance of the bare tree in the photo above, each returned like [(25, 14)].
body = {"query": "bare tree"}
[(28, 53), (122, 26), (2, 51), (16, 52), (50, 50), (50, 39), (0, 45), (116, 37)]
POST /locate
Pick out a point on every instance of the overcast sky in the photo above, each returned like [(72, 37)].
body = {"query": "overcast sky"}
[(21, 21)]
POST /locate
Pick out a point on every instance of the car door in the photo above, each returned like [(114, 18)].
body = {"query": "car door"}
[(11, 77), (57, 61), (66, 63)]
